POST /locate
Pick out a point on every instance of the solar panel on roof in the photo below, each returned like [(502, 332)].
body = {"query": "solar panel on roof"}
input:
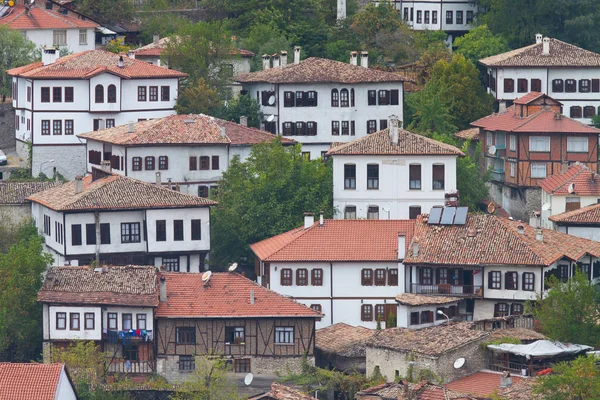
[(448, 216), (434, 215), (461, 216)]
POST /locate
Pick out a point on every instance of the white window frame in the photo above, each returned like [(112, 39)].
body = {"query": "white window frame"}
[(83, 36), (536, 170), (58, 35), (282, 333), (489, 138), (577, 144), (540, 144), (513, 169), (513, 142)]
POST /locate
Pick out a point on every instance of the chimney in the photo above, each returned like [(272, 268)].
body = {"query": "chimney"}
[(105, 165), (521, 229), (557, 116), (309, 219), (120, 63), (283, 58), (252, 297), (364, 59), (321, 221), (223, 133), (546, 46), (538, 38), (163, 288), (354, 57), (393, 131), (539, 235), (401, 247), (131, 54), (266, 61), (78, 184), (50, 55), (275, 60), (341, 10), (155, 38), (131, 127), (505, 380), (158, 179), (297, 55), (415, 249), (244, 120)]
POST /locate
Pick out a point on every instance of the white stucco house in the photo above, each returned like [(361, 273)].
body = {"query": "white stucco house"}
[(186, 152), (58, 98), (123, 221), (567, 73), (319, 101), (50, 24), (350, 270), (36, 381), (391, 174)]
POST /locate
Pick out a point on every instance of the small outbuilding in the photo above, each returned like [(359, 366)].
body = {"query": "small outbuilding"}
[(342, 346)]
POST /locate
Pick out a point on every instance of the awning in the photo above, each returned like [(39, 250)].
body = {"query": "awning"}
[(105, 31), (540, 349)]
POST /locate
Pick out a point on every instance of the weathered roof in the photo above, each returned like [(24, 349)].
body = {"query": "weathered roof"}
[(38, 17), (155, 49), (27, 381), (281, 392), (182, 129), (416, 391), (338, 240), (411, 299), (517, 333), (468, 134), (523, 389), (343, 340), (561, 55), (226, 295), (89, 63), (529, 97), (409, 143), (321, 70), (17, 192), (115, 192), (430, 341), (481, 383), (585, 182), (589, 215), (487, 239), (129, 285)]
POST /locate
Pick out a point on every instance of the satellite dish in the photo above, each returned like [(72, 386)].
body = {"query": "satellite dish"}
[(491, 208), (492, 150), (459, 363), (571, 188), (206, 277), (248, 379), (271, 100), (545, 206), (232, 267), (270, 118)]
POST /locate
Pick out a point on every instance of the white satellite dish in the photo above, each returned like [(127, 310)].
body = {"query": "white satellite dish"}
[(458, 364), (271, 100), (492, 150), (545, 206), (232, 267), (270, 118), (571, 188), (206, 277), (248, 379)]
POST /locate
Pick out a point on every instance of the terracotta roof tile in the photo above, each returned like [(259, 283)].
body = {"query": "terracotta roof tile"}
[(313, 70), (226, 295), (39, 17), (27, 381), (89, 63), (338, 240), (155, 49), (586, 182), (240, 135), (115, 192), (480, 383), (404, 390), (409, 143), (561, 55), (343, 339), (281, 392), (411, 299), (589, 215), (496, 241), (17, 192), (522, 389), (468, 134), (118, 285), (518, 333), (529, 97)]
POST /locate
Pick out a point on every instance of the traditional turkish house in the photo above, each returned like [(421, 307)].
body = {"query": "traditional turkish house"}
[(254, 328), (14, 206), (528, 142), (24, 381), (342, 347), (494, 264), (583, 222), (111, 305)]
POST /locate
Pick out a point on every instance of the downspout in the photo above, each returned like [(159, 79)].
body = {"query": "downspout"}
[(278, 116), (65, 235), (542, 282), (331, 289), (97, 223)]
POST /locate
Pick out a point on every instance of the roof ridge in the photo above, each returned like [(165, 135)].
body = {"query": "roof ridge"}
[(506, 224), (581, 167), (573, 213), (299, 230)]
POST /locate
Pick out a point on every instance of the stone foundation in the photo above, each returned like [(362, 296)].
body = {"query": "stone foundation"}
[(7, 126), (520, 204), (69, 161)]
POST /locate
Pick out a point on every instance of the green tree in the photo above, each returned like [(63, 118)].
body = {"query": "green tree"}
[(574, 380), (429, 111), (108, 12), (570, 311), (470, 179), (209, 382), (243, 105), (117, 46), (15, 51), (479, 43), (197, 98), (264, 196)]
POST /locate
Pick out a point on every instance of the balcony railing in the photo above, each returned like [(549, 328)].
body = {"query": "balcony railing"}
[(134, 367), (515, 368), (447, 290), (497, 176)]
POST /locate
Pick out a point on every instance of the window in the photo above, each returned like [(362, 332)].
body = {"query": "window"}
[(344, 98), (136, 163), (161, 230), (203, 191), (570, 86), (69, 127), (459, 18), (512, 139), (311, 128), (371, 126), (141, 93), (509, 85), (351, 97), (414, 173), (74, 321), (426, 276), (335, 128), (557, 86), (595, 85), (45, 127), (350, 212), (288, 129), (89, 321), (419, 16), (99, 94), (438, 177), (414, 212), (112, 321), (130, 352), (61, 320), (82, 36), (349, 176), (241, 365), (511, 281), (414, 318), (196, 229), (215, 162), (171, 263), (442, 276), (57, 127), (149, 161), (318, 308), (286, 277), (311, 98), (426, 17), (500, 310), (46, 225), (522, 85), (284, 334), (58, 232), (45, 95), (288, 99), (335, 98), (178, 230), (539, 143), (575, 112), (163, 163), (130, 232), (268, 98), (373, 212), (366, 312), (104, 233), (373, 176), (372, 97), (573, 203), (153, 92), (366, 277), (516, 309), (434, 19), (426, 317), (469, 17), (235, 335), (56, 94), (69, 94), (513, 168), (186, 335), (584, 85), (204, 162), (577, 144), (345, 128), (59, 38), (29, 94), (494, 280), (380, 277), (316, 277), (536, 85), (111, 94), (449, 18), (140, 321), (193, 164), (76, 235), (538, 170), (165, 93), (589, 111), (384, 97), (301, 277), (528, 281), (187, 363)]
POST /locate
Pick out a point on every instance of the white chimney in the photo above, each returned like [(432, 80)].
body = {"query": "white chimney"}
[(131, 54), (244, 120), (121, 62), (252, 297), (415, 249), (155, 38), (341, 10), (538, 38), (321, 220), (283, 58), (521, 229), (223, 131), (297, 55), (393, 130), (402, 247), (546, 46), (539, 235), (50, 55), (105, 165), (354, 57), (163, 289), (130, 127), (364, 59), (78, 184), (275, 60), (266, 61), (158, 179), (309, 219)]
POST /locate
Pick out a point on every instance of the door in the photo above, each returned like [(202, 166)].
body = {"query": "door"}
[(467, 278), (391, 315)]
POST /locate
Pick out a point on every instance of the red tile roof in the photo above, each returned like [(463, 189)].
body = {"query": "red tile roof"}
[(480, 383), (155, 49), (281, 392), (338, 240), (488, 239), (226, 295), (585, 181), (321, 70), (529, 97), (543, 121), (17, 192), (589, 215), (90, 63), (28, 381), (343, 339), (38, 17), (417, 391), (468, 134)]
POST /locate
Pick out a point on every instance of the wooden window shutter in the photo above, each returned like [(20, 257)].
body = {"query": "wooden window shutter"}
[(395, 97), (496, 309), (490, 280), (193, 163), (507, 280)]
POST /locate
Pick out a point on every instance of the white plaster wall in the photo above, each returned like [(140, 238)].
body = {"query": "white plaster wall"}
[(196, 264), (65, 390), (519, 73), (82, 333), (128, 310), (185, 214), (325, 310), (404, 312), (45, 38), (302, 292), (105, 80), (38, 212), (519, 294), (592, 233), (130, 94), (80, 95)]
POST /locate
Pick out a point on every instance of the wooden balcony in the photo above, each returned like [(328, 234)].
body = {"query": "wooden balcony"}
[(134, 367), (448, 290)]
